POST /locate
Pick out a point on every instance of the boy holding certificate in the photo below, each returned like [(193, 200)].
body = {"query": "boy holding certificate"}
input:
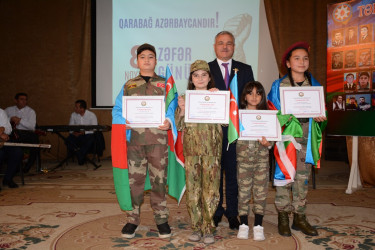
[(147, 149), (202, 151), (293, 175)]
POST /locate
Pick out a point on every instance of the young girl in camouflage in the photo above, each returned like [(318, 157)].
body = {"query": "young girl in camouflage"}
[(202, 151), (252, 167), (296, 60)]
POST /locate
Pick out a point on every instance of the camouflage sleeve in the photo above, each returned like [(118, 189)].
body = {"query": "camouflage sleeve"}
[(179, 120)]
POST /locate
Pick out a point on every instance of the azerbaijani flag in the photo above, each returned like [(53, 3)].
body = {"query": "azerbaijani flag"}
[(119, 155), (176, 171), (285, 151), (234, 123), (176, 166)]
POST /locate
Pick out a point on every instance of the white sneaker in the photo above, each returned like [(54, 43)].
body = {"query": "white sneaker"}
[(243, 232), (195, 236), (208, 239), (258, 233)]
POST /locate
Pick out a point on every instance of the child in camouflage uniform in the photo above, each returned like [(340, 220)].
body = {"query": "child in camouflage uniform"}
[(252, 167), (147, 150), (202, 151), (291, 197)]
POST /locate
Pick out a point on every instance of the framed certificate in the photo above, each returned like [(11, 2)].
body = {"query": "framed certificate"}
[(143, 111), (203, 106), (302, 102), (258, 123)]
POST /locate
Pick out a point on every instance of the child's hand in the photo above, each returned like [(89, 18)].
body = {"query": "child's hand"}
[(165, 125), (181, 104), (320, 118), (213, 89), (264, 142), (127, 126)]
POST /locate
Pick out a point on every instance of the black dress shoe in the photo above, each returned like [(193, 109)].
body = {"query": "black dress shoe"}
[(233, 222), (217, 220), (10, 184)]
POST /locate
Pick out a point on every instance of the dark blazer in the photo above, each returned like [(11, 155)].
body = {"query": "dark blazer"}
[(244, 75), (353, 88), (228, 157), (366, 40)]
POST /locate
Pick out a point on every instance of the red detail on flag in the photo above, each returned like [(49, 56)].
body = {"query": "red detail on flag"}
[(170, 83), (118, 146), (160, 84), (292, 155), (271, 106), (178, 147), (233, 113), (320, 153)]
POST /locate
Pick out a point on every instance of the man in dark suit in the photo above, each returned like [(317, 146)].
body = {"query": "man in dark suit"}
[(351, 37), (224, 49), (365, 35)]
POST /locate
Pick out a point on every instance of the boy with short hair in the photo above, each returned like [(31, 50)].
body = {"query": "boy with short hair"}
[(147, 149)]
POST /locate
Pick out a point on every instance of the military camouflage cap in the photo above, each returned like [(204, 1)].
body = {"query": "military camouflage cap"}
[(199, 64), (146, 46)]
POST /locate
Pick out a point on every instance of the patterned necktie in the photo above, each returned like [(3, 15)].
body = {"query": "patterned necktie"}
[(226, 74)]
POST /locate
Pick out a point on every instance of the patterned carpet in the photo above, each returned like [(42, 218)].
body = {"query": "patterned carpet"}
[(75, 208)]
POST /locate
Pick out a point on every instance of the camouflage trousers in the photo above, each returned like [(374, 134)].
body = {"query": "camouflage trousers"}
[(202, 191), (151, 158), (252, 175), (297, 189)]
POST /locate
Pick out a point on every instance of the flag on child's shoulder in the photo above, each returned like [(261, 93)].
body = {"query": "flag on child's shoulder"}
[(285, 151), (119, 156), (176, 171)]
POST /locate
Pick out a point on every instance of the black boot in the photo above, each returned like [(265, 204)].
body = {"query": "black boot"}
[(283, 224), (300, 223)]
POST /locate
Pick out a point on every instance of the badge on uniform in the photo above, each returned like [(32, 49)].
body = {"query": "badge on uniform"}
[(160, 84), (132, 86)]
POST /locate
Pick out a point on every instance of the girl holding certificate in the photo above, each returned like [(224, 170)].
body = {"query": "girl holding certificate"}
[(292, 174), (202, 151), (252, 167)]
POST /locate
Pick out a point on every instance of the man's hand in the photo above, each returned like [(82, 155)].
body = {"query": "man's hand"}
[(4, 137), (16, 120)]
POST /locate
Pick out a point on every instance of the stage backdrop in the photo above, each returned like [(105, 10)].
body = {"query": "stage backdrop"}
[(181, 31), (350, 68)]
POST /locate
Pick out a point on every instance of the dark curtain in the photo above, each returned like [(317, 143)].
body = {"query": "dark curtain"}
[(45, 49)]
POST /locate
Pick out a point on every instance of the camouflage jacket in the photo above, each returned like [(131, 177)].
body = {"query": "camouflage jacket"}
[(139, 87)]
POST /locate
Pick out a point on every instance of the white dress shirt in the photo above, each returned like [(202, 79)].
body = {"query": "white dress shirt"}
[(4, 122), (27, 115), (88, 118)]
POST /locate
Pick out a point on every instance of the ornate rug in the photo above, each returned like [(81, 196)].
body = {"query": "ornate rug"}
[(76, 208)]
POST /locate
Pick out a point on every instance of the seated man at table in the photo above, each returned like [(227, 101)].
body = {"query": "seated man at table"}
[(13, 155), (23, 121), (80, 142)]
